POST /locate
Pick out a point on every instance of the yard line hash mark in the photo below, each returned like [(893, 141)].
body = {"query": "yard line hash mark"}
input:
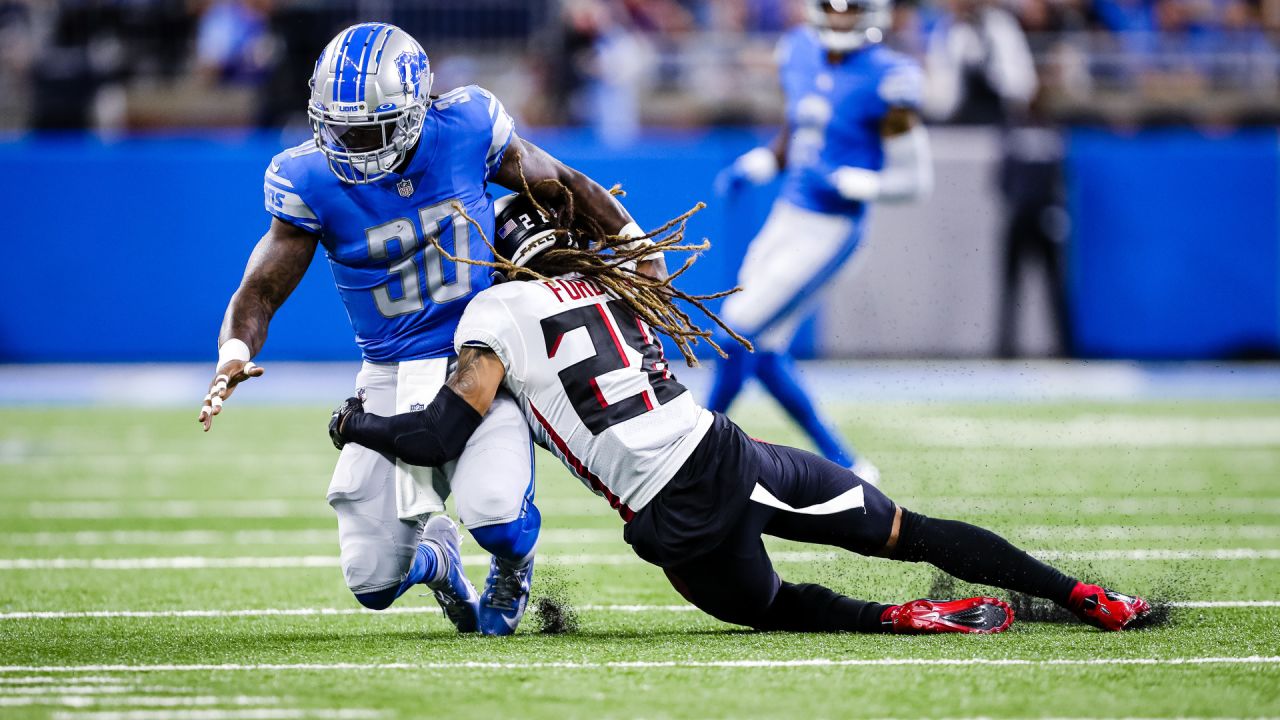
[(328, 561)]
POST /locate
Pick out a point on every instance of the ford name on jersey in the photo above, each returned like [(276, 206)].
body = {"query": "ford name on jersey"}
[(592, 382), (403, 298), (834, 112)]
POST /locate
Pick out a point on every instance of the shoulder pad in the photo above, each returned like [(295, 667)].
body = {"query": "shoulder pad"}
[(284, 186)]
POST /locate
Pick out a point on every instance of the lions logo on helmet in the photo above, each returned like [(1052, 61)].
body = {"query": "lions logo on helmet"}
[(369, 94), (846, 25), (411, 67)]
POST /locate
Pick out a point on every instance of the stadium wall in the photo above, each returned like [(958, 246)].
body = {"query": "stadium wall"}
[(127, 250)]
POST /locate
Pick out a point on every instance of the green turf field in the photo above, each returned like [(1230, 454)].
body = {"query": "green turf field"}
[(104, 511)]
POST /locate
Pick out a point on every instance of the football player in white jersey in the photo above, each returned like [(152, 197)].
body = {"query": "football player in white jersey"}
[(574, 343)]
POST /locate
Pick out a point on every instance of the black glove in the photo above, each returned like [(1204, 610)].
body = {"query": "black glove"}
[(349, 407)]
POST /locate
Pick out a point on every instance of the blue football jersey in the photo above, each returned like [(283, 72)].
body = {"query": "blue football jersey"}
[(403, 298), (835, 112)]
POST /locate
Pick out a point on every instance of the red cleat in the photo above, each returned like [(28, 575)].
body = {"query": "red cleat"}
[(984, 615), (1106, 609)]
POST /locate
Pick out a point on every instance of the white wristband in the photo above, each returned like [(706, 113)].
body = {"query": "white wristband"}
[(233, 349), (855, 183), (759, 165), (632, 230)]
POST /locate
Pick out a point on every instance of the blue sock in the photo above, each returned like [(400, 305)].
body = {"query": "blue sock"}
[(424, 567), (731, 375), (512, 540), (777, 373)]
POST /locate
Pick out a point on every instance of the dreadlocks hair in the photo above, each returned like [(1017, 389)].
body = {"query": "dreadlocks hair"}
[(610, 261)]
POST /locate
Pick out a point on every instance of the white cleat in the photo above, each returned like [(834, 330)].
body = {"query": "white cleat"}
[(454, 592)]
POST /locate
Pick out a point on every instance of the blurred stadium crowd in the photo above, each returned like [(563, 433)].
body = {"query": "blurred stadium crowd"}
[(618, 65)]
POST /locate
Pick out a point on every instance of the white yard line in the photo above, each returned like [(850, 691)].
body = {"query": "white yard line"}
[(558, 536), (1064, 504), (1084, 718), (1262, 660), (115, 509), (249, 612), (49, 680), (1126, 532), (326, 561), (430, 610), (167, 701), (242, 714), (71, 689), (1098, 430), (249, 537)]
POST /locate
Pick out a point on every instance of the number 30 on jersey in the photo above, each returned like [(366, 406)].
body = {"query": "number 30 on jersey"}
[(410, 264)]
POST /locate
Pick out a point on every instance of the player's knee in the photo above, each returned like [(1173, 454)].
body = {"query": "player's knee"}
[(512, 540), (750, 609), (379, 599), (793, 606), (373, 567)]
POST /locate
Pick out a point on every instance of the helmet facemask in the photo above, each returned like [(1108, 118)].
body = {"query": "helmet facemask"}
[(847, 25), (365, 148)]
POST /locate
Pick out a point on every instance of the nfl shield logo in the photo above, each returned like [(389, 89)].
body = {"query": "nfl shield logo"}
[(415, 407), (405, 187)]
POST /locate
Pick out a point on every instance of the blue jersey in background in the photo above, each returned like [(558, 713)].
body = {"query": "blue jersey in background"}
[(834, 113), (402, 296)]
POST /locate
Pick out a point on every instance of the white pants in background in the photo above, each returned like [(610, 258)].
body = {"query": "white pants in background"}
[(786, 270)]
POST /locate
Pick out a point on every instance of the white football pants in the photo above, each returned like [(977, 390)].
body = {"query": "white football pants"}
[(787, 268), (489, 484)]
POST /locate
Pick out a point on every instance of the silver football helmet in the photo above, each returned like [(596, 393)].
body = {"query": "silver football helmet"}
[(866, 24), (369, 94)]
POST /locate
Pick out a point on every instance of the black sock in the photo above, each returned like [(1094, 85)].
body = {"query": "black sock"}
[(814, 608), (977, 555)]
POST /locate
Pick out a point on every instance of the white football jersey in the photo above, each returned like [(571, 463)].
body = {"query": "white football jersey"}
[(592, 382)]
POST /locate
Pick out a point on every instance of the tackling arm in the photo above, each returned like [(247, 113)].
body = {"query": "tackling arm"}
[(594, 200), (277, 264), (437, 434)]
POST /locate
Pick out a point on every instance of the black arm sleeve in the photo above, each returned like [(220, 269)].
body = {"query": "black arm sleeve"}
[(429, 437)]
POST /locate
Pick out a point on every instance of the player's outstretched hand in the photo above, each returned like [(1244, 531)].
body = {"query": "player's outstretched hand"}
[(231, 374), (755, 167), (729, 181), (349, 407)]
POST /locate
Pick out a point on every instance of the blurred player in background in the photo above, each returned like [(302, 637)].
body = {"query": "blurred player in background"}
[(852, 137), (573, 340), (390, 168)]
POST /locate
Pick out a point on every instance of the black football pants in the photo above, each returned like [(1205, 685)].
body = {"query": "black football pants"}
[(798, 496)]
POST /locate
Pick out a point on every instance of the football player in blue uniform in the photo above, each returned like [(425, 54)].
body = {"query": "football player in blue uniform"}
[(852, 137), (392, 175)]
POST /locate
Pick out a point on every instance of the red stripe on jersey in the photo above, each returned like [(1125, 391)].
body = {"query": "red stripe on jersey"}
[(556, 347), (581, 469), (653, 340), (616, 343), (599, 395)]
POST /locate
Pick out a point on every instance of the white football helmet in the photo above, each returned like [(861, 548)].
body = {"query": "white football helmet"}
[(369, 94), (872, 18)]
